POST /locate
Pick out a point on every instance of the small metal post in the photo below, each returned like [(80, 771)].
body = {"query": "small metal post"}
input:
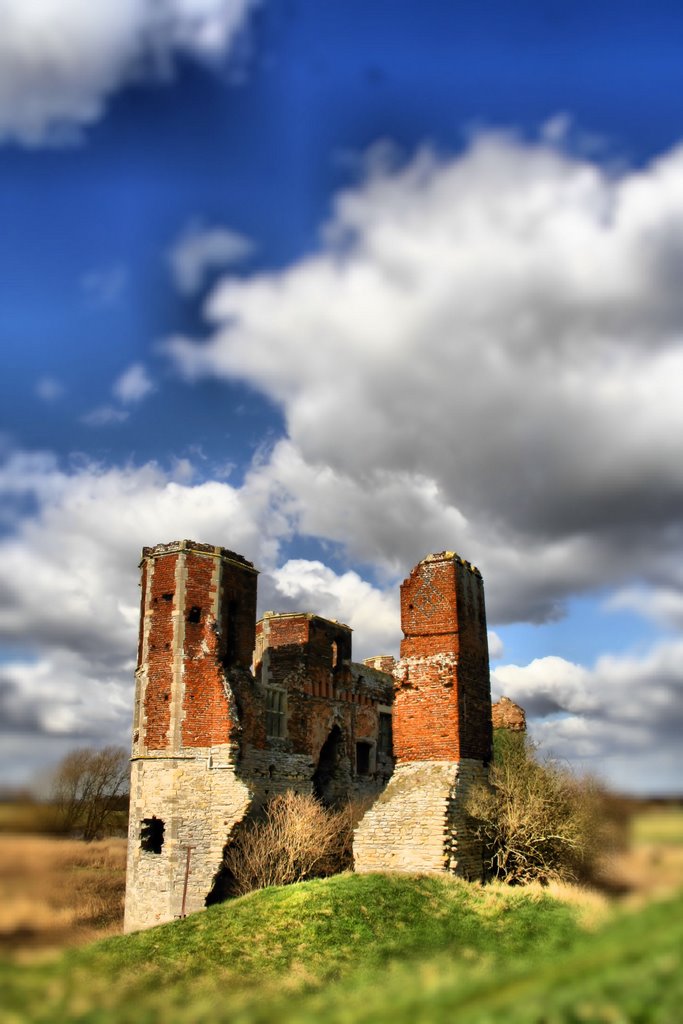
[(187, 875)]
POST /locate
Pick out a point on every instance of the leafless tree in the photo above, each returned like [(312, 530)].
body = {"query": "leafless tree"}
[(89, 786), (296, 839)]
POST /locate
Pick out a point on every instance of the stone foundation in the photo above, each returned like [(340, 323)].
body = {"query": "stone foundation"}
[(418, 823), (198, 806)]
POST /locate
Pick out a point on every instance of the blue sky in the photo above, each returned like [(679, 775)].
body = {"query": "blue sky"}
[(337, 284)]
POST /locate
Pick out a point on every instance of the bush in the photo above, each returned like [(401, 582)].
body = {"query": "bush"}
[(537, 820), (296, 839)]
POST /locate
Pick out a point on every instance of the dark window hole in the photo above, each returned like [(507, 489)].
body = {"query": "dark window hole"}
[(152, 834), (363, 758)]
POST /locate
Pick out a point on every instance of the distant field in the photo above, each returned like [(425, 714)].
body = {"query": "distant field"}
[(59, 892), (659, 825), (25, 817)]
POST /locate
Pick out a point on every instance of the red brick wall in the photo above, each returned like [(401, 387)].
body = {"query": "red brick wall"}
[(157, 706), (429, 617), (205, 718), (443, 705), (426, 719), (201, 645)]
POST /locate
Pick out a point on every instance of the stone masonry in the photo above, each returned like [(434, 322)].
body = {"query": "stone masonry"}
[(230, 711)]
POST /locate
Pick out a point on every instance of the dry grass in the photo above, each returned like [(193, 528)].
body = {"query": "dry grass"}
[(56, 893)]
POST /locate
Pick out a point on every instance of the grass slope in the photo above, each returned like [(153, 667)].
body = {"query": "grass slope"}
[(359, 948)]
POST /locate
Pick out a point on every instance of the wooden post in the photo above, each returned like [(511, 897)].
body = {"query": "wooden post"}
[(187, 875)]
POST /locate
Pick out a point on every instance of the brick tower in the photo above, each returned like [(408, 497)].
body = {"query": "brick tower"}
[(442, 726), (197, 624)]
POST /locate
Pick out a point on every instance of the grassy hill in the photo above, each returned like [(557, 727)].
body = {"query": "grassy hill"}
[(368, 948)]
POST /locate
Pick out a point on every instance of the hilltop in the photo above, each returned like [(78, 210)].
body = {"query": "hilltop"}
[(367, 948)]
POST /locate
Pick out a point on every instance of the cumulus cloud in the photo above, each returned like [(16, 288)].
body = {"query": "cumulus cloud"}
[(69, 593), (496, 647), (128, 389), (133, 385), (313, 586), (487, 350), (69, 612), (199, 250), (664, 605), (61, 60), (104, 416), (621, 718)]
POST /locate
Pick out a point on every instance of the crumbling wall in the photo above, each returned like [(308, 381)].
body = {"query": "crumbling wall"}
[(442, 727), (215, 736), (213, 740), (505, 714), (196, 605), (305, 663)]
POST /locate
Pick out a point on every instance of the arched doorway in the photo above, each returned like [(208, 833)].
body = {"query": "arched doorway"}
[(327, 775)]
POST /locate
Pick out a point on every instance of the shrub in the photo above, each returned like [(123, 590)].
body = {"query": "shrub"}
[(536, 819), (296, 839)]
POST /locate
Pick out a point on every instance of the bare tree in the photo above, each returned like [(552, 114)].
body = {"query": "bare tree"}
[(297, 839), (89, 786)]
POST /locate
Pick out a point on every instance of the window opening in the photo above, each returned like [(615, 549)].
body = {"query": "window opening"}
[(362, 758), (194, 614), (167, 597), (152, 834), (275, 712), (385, 739)]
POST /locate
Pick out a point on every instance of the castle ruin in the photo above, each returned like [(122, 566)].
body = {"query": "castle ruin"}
[(230, 711)]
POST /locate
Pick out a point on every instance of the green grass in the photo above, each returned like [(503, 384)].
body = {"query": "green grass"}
[(366, 948)]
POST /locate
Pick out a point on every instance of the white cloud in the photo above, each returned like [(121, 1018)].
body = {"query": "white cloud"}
[(49, 389), (484, 355), (69, 592), (664, 605), (70, 584), (69, 595), (104, 416), (199, 250), (61, 60), (309, 585), (622, 718), (496, 647), (133, 385)]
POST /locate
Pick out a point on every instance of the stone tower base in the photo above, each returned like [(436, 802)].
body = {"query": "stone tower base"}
[(418, 823)]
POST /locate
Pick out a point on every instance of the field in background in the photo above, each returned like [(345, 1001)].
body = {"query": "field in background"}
[(56, 893), (652, 864)]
